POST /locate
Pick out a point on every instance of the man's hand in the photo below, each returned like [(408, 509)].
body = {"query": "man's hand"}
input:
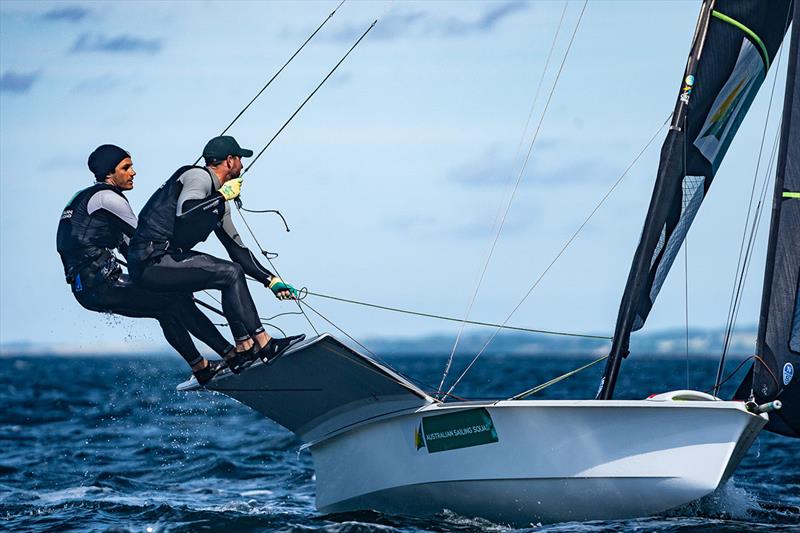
[(231, 189), (281, 289)]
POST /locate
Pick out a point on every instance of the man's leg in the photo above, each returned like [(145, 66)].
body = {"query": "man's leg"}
[(194, 271), (199, 325), (122, 298)]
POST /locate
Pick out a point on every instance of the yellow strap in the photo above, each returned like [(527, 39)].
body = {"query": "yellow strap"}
[(787, 194)]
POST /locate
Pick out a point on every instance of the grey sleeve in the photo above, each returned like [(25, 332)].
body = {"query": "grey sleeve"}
[(116, 205), (238, 252), (197, 185), (228, 227)]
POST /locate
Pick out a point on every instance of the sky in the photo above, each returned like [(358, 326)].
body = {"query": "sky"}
[(393, 175)]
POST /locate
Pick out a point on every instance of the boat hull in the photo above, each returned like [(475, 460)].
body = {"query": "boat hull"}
[(552, 461)]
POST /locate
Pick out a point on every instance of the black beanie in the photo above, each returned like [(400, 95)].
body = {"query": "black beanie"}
[(105, 159)]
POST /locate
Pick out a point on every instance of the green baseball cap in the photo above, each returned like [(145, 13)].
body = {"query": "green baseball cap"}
[(221, 147)]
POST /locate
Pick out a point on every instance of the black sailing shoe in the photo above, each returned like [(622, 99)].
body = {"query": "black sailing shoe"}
[(242, 360), (204, 375), (275, 347)]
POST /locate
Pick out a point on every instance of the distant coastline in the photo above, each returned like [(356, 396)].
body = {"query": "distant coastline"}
[(662, 343)]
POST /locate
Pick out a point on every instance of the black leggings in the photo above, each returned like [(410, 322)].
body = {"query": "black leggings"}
[(194, 271), (176, 313)]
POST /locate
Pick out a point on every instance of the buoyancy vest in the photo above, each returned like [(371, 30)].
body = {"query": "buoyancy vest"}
[(158, 222), (84, 239)]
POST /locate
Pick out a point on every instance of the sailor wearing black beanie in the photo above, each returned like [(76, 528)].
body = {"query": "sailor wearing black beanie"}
[(99, 219), (105, 159)]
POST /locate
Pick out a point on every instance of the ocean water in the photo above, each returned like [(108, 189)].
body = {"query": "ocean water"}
[(108, 444)]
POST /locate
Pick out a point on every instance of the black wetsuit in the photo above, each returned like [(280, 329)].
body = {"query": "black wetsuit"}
[(97, 220), (182, 213)]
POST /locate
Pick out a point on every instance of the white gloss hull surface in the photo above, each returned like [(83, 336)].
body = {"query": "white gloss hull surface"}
[(552, 461)]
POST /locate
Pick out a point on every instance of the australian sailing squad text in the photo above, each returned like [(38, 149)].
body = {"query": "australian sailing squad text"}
[(470, 430)]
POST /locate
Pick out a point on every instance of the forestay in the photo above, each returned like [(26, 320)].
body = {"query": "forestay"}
[(734, 46)]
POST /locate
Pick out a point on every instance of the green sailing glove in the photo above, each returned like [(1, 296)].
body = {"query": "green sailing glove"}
[(281, 289), (231, 189)]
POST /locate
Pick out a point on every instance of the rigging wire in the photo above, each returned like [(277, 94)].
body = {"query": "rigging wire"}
[(499, 214), (241, 209), (686, 300), (737, 286), (557, 379), (453, 319), (343, 332), (567, 244), (373, 354), (239, 206), (264, 88), (256, 158), (514, 190), (686, 262), (739, 289)]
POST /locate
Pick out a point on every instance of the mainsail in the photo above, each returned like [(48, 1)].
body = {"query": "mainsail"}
[(734, 45), (776, 375)]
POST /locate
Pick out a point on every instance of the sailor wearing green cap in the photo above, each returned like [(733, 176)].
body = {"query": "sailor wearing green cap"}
[(183, 212)]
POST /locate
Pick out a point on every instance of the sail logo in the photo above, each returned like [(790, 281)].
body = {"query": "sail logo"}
[(731, 105), (788, 373)]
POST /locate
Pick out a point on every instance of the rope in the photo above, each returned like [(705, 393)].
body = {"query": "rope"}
[(716, 387), (453, 319), (508, 206), (555, 380), (567, 244), (274, 268), (265, 321)]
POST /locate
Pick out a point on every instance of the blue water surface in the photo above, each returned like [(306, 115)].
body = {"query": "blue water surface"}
[(108, 444)]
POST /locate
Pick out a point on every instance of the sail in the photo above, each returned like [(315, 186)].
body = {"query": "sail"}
[(734, 46), (778, 344)]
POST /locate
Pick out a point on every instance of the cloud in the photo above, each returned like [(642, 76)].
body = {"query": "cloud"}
[(99, 84), (420, 23), (495, 169), (66, 13), (492, 169), (121, 44), (486, 22), (18, 82), (443, 226)]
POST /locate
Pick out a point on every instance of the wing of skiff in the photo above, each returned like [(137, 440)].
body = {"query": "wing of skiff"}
[(318, 388)]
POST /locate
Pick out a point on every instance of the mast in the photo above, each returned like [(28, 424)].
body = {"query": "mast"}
[(778, 342), (671, 149), (740, 39)]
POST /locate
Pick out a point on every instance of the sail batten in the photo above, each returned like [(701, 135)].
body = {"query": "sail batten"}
[(733, 49)]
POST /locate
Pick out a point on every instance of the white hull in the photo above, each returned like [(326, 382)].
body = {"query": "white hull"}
[(381, 443), (554, 461)]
